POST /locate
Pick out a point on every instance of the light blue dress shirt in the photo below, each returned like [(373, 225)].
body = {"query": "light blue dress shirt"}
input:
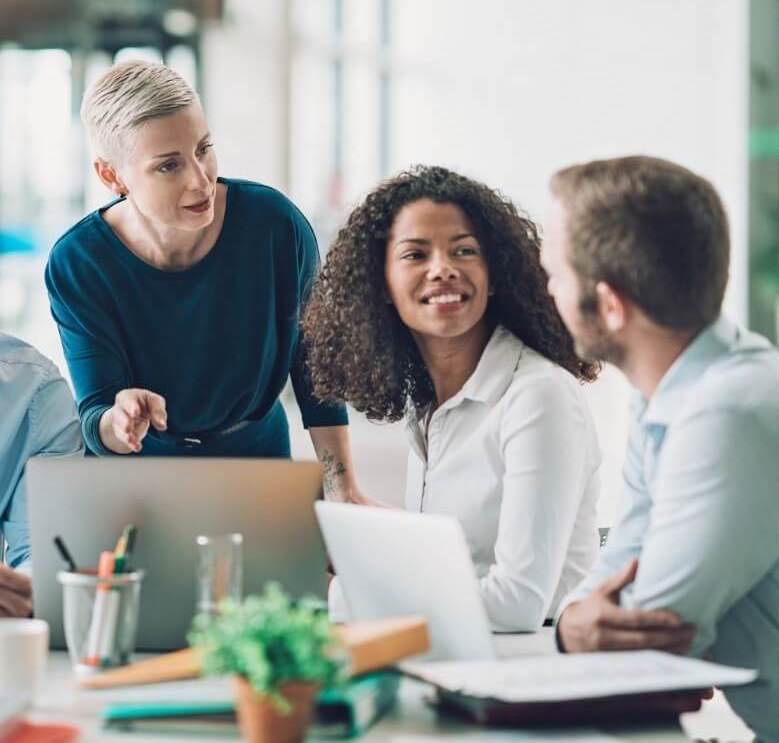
[(37, 416), (700, 509)]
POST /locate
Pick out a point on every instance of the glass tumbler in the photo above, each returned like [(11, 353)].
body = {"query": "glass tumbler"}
[(219, 571), (100, 618)]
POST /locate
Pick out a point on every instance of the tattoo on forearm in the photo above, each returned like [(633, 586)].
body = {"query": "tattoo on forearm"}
[(333, 471)]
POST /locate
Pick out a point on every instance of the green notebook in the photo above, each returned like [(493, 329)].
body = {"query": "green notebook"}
[(340, 713), (350, 711)]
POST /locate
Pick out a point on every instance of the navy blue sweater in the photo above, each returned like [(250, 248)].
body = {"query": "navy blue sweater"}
[(217, 340)]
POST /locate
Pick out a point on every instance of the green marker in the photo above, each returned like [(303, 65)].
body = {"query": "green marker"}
[(123, 548)]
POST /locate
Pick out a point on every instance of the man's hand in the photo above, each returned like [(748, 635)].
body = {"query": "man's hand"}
[(599, 623), (15, 593), (123, 427)]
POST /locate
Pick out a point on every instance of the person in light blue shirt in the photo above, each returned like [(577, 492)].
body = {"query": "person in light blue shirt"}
[(37, 416), (637, 254)]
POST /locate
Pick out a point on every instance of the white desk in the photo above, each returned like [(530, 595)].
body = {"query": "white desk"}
[(412, 720)]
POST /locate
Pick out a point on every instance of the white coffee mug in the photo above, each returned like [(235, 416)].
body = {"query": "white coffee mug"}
[(24, 645)]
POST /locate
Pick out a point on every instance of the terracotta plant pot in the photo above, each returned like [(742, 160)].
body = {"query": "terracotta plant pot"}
[(261, 722)]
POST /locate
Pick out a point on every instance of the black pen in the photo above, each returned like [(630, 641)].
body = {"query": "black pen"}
[(128, 550), (66, 556)]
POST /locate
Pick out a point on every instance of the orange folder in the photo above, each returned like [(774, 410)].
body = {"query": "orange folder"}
[(371, 645)]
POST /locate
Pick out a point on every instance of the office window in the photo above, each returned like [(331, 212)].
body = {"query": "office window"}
[(39, 174), (36, 137), (340, 74)]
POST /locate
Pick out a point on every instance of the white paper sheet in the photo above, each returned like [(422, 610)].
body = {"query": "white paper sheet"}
[(553, 678)]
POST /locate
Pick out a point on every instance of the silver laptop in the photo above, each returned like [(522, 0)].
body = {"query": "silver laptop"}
[(89, 500), (393, 563)]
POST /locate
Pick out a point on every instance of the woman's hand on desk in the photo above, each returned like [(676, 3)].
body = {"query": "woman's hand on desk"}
[(339, 483), (124, 426), (352, 495), (598, 622), (15, 593)]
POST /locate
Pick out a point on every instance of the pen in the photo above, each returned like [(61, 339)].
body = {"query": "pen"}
[(120, 551), (66, 556), (132, 533)]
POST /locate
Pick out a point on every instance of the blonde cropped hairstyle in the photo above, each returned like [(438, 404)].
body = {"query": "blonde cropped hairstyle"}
[(124, 97)]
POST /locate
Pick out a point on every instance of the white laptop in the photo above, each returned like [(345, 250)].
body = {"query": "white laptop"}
[(89, 500), (393, 563)]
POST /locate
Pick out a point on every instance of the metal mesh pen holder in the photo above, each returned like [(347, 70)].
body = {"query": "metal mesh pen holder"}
[(100, 618)]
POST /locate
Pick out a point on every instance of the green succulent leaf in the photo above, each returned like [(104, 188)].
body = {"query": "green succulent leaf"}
[(270, 640)]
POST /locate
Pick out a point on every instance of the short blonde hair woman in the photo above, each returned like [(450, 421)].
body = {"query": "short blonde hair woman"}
[(178, 302), (126, 97)]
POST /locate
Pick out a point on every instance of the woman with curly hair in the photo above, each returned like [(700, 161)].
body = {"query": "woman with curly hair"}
[(432, 306)]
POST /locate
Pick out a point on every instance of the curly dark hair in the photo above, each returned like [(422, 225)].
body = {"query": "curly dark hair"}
[(360, 352)]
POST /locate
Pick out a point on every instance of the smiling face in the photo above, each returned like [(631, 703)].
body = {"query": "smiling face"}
[(170, 170), (435, 271)]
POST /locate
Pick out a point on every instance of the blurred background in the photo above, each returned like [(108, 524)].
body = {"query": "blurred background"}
[(323, 98)]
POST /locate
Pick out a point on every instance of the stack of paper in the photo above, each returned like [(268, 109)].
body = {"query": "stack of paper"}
[(556, 678)]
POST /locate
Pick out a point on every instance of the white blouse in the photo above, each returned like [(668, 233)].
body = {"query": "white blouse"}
[(514, 457)]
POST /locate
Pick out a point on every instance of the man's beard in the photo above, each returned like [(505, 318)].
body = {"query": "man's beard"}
[(594, 342)]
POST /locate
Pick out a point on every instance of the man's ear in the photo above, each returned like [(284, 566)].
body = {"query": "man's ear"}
[(109, 177), (612, 307)]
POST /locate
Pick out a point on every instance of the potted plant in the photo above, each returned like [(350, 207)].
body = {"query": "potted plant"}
[(280, 652)]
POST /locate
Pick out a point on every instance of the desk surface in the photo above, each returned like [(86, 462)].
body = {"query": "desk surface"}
[(411, 721)]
